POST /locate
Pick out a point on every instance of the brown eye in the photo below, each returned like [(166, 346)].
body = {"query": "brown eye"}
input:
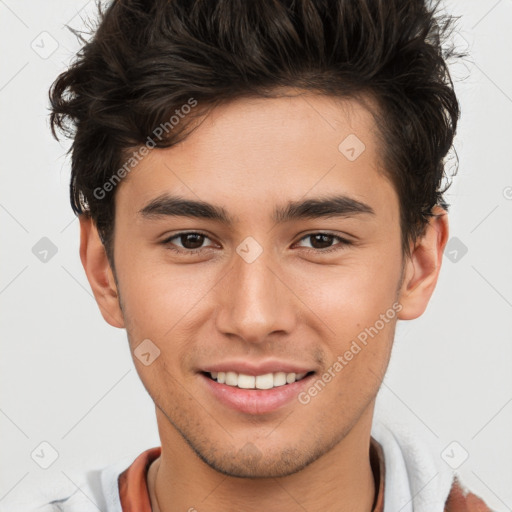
[(187, 243), (323, 242), (192, 240)]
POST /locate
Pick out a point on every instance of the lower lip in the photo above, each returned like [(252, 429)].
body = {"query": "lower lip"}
[(255, 401)]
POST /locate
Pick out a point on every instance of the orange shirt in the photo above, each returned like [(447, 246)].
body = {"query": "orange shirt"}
[(134, 494), (133, 487)]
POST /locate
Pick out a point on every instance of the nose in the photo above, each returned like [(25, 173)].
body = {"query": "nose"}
[(255, 300)]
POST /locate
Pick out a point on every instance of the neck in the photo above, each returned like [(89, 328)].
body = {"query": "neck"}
[(178, 480)]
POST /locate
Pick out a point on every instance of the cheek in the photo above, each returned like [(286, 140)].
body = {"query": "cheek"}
[(160, 298), (358, 313), (353, 295), (357, 306)]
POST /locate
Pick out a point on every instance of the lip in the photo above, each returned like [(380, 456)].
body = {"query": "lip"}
[(269, 366), (255, 401)]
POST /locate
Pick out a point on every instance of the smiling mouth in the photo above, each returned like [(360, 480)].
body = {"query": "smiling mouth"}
[(264, 381)]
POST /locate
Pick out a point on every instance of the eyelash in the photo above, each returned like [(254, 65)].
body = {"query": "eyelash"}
[(342, 243)]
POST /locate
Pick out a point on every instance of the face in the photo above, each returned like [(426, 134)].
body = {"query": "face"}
[(289, 266)]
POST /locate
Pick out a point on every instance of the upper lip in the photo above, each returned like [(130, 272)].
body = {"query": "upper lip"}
[(248, 368)]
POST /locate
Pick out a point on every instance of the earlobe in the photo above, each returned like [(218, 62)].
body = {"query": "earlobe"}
[(99, 273), (423, 267)]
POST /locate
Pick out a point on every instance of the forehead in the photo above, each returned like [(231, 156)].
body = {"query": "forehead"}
[(255, 152)]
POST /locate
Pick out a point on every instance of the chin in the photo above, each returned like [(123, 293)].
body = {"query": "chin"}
[(251, 462)]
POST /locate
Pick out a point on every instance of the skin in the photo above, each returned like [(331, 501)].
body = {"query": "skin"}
[(293, 303)]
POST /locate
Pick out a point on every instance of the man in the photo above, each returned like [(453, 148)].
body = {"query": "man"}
[(259, 192)]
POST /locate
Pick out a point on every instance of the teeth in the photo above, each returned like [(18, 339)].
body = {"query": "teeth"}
[(231, 378), (245, 381), (266, 381), (280, 379)]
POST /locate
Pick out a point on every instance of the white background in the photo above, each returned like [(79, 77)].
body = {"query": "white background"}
[(67, 377)]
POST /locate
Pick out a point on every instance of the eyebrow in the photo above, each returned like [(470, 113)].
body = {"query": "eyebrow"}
[(321, 207)]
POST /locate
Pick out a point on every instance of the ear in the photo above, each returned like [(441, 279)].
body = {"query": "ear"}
[(100, 275), (422, 268)]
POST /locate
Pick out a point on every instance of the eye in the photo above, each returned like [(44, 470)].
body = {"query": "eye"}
[(188, 242), (322, 242), (193, 242)]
